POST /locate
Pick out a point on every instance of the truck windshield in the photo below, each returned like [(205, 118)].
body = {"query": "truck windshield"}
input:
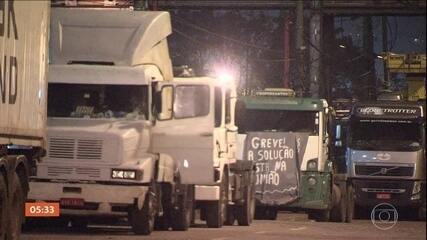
[(249, 120), (385, 136), (97, 101)]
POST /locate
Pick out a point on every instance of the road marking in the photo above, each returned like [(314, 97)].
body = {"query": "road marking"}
[(261, 232), (298, 228), (220, 238)]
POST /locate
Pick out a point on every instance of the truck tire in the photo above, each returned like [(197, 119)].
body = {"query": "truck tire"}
[(3, 207), (182, 216), (142, 220), (260, 212), (350, 203), (216, 211), (271, 213), (16, 210), (339, 211), (246, 212), (422, 213), (231, 216), (266, 213)]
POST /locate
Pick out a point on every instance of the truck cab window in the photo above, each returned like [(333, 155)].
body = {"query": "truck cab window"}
[(97, 101), (253, 120), (191, 101), (385, 135)]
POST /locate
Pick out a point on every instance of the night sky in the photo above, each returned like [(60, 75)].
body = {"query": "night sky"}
[(204, 39)]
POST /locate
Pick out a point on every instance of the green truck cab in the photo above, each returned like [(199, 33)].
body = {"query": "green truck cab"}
[(288, 139)]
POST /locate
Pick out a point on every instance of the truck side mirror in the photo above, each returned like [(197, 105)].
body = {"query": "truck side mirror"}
[(164, 103), (338, 142)]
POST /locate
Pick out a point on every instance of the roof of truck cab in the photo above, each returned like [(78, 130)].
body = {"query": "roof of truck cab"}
[(283, 103), (123, 37)]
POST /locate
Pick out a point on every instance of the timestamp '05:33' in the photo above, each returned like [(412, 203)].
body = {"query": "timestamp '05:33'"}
[(42, 209)]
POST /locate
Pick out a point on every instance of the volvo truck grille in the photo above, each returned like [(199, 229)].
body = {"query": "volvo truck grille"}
[(79, 149), (393, 171)]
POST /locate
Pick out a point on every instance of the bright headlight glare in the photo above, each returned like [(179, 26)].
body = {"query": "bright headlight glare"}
[(312, 165), (311, 181), (123, 174)]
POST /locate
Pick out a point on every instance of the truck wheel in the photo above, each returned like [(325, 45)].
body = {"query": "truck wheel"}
[(16, 215), (246, 212), (230, 218), (338, 212), (3, 207), (183, 215), (260, 212), (271, 213), (142, 220), (350, 203), (161, 224), (422, 213), (216, 211)]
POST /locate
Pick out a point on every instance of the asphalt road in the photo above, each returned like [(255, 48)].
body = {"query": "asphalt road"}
[(287, 226)]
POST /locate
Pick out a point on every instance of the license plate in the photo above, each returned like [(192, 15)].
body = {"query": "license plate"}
[(72, 202), (383, 195)]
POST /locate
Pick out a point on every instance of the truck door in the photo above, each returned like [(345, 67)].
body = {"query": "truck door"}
[(185, 130)]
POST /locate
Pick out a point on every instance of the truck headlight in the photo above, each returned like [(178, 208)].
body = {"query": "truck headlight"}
[(125, 174), (311, 181), (312, 165)]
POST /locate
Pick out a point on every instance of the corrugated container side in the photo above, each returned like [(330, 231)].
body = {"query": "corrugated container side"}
[(24, 32)]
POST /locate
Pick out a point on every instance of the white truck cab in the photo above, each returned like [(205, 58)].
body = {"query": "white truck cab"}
[(201, 138), (103, 66)]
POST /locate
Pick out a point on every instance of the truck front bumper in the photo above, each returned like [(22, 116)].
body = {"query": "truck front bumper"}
[(403, 193), (99, 199), (206, 193), (314, 194)]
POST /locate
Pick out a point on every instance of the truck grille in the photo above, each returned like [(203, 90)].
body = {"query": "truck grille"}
[(89, 149), (79, 149), (57, 171), (61, 148), (82, 173), (393, 171)]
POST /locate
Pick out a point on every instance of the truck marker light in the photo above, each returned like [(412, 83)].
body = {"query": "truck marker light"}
[(186, 165), (311, 181), (312, 165)]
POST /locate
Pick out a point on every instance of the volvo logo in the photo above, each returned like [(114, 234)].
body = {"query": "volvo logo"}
[(383, 156), (383, 171)]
